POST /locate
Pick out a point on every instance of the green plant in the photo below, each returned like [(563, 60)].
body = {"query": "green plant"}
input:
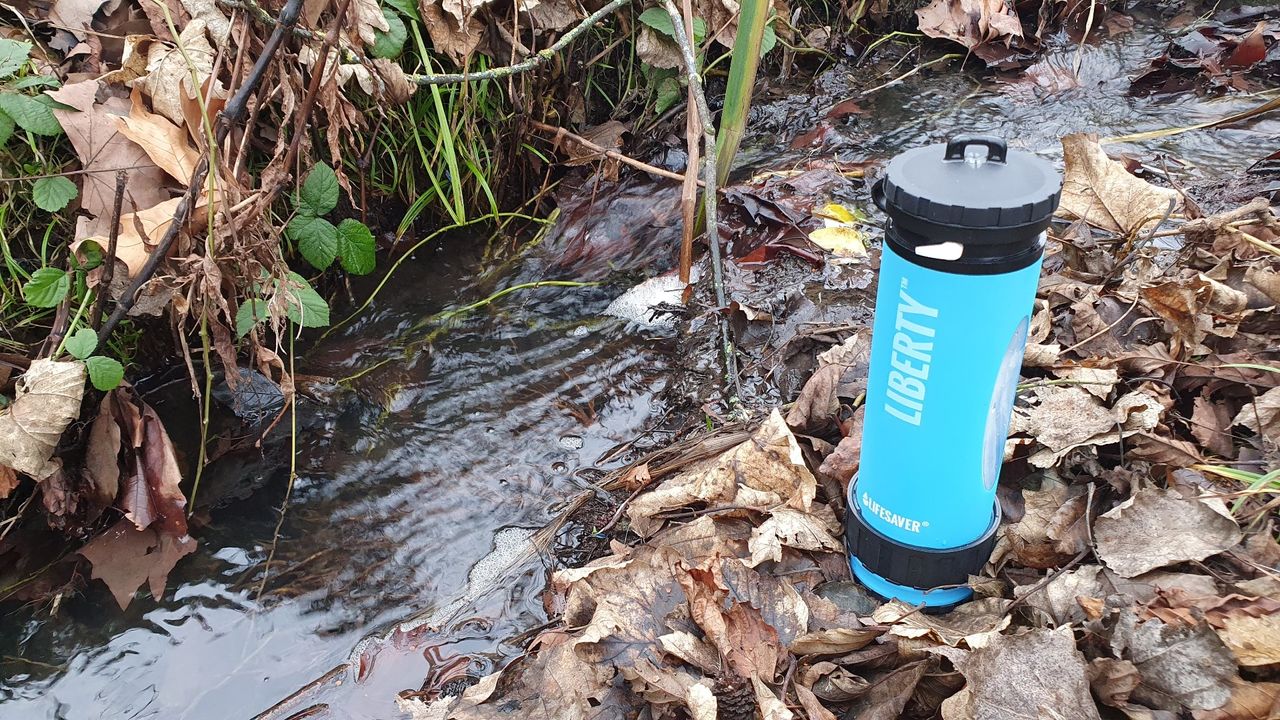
[(48, 287), (33, 113), (317, 239), (300, 303), (1254, 482), (748, 47)]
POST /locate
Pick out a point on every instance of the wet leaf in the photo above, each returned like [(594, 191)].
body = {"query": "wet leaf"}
[(1035, 674), (151, 496), (102, 454), (46, 400), (888, 694), (47, 287), (840, 241), (1100, 191), (125, 557), (52, 194), (1156, 528)]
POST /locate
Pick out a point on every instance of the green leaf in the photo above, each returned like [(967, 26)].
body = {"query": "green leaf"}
[(316, 238), (319, 191), (30, 114), (768, 40), (47, 287), (390, 44), (105, 373), (53, 193), (669, 93), (699, 30), (356, 247), (251, 313), (305, 306), (660, 20), (13, 55), (31, 81), (408, 7), (6, 127), (82, 343)]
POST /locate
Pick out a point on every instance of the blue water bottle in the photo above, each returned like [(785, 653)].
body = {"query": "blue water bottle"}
[(958, 275)]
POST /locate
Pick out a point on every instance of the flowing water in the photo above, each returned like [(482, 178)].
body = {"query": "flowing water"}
[(423, 477)]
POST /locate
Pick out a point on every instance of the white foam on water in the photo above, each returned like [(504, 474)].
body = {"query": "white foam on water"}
[(636, 304), (510, 546)]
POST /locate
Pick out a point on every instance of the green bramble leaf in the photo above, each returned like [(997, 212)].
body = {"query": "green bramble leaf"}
[(768, 41), (316, 239), (356, 247), (30, 114), (105, 373), (32, 81), (13, 55), (390, 44), (47, 287), (319, 192), (669, 93), (82, 343), (305, 306), (251, 313), (52, 194), (6, 127)]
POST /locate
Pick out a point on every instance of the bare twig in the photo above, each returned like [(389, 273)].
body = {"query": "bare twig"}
[(313, 88), (233, 114), (689, 188), (710, 196), (561, 133), (109, 260)]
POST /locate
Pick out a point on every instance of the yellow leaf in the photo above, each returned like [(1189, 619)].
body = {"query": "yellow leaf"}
[(836, 212), (840, 241)]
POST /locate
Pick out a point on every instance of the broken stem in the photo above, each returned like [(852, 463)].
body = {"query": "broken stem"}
[(109, 260), (709, 190), (689, 186), (611, 154)]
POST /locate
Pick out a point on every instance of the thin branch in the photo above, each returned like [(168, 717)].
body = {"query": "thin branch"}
[(233, 114), (710, 196), (109, 260), (561, 133)]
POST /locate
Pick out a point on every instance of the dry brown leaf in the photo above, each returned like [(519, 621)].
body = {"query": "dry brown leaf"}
[(124, 558), (1155, 528), (8, 481), (1210, 422), (1249, 701), (1255, 641), (812, 706), (771, 708), (164, 142), (969, 22), (455, 29), (1050, 531), (766, 470), (1180, 665), (1035, 674), (835, 641), (46, 399), (972, 624), (793, 528), (218, 25), (74, 15), (701, 702), (1196, 307), (1068, 417), (816, 407), (887, 696), (151, 496), (1113, 680), (1100, 191), (551, 14), (169, 71), (101, 457), (1262, 415), (93, 133)]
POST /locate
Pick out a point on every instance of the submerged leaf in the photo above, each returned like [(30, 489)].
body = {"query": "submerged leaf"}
[(125, 557)]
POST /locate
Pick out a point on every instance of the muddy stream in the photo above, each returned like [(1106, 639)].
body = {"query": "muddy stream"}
[(425, 476)]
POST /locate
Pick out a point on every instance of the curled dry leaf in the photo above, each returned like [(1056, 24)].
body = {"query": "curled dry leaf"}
[(102, 455), (888, 694), (1262, 415), (1155, 528), (793, 528), (125, 557), (46, 400), (1052, 530), (1101, 191), (765, 471), (1035, 674), (164, 142), (970, 22), (971, 624), (151, 496), (1069, 417)]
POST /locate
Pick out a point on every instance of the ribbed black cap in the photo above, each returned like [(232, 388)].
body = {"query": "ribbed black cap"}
[(975, 191)]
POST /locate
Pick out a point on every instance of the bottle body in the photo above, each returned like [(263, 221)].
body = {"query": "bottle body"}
[(946, 352)]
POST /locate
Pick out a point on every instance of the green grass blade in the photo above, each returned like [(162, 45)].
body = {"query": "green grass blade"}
[(742, 79)]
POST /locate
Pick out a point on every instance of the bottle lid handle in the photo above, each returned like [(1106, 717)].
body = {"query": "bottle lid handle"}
[(996, 148)]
